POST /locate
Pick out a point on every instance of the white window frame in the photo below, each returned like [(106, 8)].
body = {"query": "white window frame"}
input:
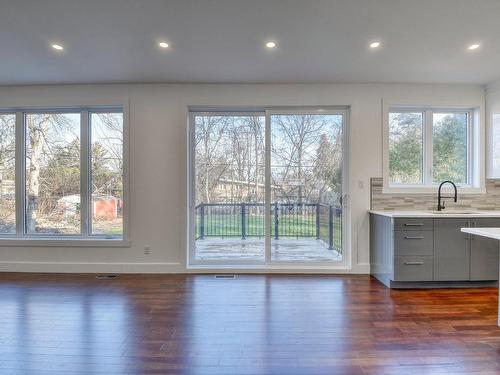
[(86, 238), (475, 148)]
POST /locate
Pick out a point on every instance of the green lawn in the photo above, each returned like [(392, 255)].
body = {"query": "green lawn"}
[(289, 226)]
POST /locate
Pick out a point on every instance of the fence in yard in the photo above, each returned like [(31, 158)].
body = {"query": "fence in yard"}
[(288, 220)]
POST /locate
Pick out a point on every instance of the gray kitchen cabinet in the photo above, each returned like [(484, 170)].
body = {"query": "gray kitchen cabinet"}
[(484, 252), (401, 250), (412, 223), (413, 249), (413, 268), (381, 258), (413, 242), (451, 250), (432, 252)]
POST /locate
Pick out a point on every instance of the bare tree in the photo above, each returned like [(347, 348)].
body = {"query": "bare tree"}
[(107, 153), (255, 124), (230, 151), (209, 133), (111, 136), (37, 127), (44, 132), (7, 170), (294, 140)]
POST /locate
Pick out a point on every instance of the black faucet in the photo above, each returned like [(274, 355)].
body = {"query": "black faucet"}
[(441, 205)]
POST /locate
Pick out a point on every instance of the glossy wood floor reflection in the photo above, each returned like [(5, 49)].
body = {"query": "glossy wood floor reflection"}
[(256, 324)]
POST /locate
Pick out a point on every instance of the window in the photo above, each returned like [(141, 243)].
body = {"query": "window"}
[(427, 146), (52, 173), (450, 144), (107, 173), (7, 173), (406, 147), (67, 172)]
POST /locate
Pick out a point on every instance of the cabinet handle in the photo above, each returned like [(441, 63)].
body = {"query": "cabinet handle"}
[(414, 263), (414, 224), (414, 238)]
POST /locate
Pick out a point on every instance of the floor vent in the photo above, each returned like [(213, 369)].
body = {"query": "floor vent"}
[(107, 276), (225, 276)]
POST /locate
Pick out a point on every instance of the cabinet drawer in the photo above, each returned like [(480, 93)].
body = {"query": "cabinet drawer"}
[(413, 268), (414, 242), (413, 224)]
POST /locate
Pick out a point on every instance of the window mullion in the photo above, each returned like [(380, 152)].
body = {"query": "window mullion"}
[(85, 174), (470, 150), (428, 154), (20, 174), (267, 186)]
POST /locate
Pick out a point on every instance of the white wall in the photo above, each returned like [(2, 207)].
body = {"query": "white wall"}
[(158, 163)]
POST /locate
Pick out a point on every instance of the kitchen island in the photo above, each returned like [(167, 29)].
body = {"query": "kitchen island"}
[(484, 232), (491, 233)]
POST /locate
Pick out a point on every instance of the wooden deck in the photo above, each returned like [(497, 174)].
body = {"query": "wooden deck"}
[(251, 249), (255, 324)]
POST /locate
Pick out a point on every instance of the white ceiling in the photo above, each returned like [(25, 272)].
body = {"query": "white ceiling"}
[(223, 41)]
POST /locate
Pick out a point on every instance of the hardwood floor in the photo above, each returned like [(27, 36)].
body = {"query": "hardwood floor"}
[(255, 324)]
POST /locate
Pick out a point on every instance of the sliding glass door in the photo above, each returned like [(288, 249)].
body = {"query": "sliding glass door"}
[(229, 187), (267, 187), (306, 186)]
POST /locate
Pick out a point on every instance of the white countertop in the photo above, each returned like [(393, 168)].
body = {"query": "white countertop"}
[(485, 232), (432, 214)]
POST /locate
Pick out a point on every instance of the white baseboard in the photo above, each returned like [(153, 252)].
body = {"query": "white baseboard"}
[(166, 267), (63, 267), (270, 269), (362, 268)]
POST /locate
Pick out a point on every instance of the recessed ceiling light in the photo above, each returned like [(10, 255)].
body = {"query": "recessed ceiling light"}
[(375, 44), (271, 44), (474, 46), (163, 44), (57, 47)]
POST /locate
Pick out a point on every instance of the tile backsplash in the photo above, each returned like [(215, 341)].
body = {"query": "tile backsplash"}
[(409, 202)]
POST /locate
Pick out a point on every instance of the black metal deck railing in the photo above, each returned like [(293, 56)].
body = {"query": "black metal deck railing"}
[(288, 220)]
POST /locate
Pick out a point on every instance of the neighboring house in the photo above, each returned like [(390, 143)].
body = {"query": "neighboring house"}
[(228, 190), (235, 191), (69, 205), (104, 207)]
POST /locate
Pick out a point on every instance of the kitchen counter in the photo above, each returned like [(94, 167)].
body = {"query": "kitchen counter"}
[(484, 232), (433, 214)]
